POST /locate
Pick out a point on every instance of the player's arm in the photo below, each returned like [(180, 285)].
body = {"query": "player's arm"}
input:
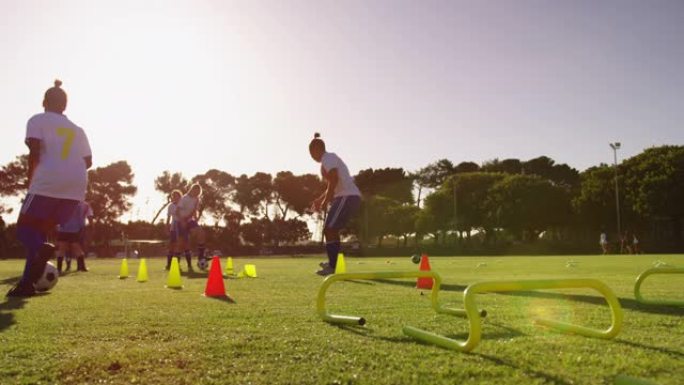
[(34, 156), (332, 180)]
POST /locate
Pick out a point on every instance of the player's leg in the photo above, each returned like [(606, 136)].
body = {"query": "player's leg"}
[(61, 251), (80, 255), (173, 238), (200, 237), (38, 216), (184, 244), (341, 211)]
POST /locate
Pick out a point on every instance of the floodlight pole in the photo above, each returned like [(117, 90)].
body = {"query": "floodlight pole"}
[(616, 146)]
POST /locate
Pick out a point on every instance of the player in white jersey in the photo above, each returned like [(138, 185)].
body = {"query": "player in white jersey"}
[(59, 157), (342, 195), (172, 223), (188, 217)]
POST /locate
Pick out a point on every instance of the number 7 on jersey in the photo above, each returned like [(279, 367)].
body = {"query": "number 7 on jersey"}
[(69, 136)]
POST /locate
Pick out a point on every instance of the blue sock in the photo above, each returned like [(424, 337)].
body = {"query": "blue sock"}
[(32, 239), (333, 248)]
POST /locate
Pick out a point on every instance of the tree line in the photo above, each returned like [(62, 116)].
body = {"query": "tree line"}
[(497, 202)]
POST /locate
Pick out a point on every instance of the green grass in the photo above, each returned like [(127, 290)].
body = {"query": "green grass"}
[(94, 328)]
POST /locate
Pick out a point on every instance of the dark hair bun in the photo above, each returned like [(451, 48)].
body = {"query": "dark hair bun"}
[(58, 83), (317, 135)]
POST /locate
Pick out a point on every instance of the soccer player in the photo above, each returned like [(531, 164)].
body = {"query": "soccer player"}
[(603, 241), (342, 195), (188, 216), (59, 157), (70, 238), (172, 223)]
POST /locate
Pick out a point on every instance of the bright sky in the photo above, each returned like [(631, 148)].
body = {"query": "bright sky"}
[(242, 85)]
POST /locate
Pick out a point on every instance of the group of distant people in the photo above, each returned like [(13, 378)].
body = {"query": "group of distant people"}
[(627, 244)]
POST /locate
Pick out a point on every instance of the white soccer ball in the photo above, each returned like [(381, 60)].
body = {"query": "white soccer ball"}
[(49, 278), (202, 264)]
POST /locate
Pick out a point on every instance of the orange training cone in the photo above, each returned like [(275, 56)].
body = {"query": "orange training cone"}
[(424, 282), (215, 286)]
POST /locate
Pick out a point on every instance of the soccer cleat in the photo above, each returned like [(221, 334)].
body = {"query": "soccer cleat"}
[(45, 253), (326, 271), (324, 264), (60, 261), (21, 291), (81, 264)]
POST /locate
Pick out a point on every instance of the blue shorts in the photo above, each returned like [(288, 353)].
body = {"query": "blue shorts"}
[(341, 211), (184, 231), (44, 213)]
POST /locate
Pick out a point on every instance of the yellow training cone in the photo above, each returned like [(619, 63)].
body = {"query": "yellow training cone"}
[(341, 266), (174, 279), (142, 271), (250, 271), (229, 266), (123, 271)]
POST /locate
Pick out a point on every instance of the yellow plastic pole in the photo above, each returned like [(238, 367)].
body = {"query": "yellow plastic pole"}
[(656, 270), (354, 320)]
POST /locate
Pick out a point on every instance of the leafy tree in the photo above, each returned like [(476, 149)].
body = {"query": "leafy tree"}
[(546, 168), (392, 183), (528, 205), (432, 176), (295, 192), (109, 191), (471, 192), (402, 220), (464, 167), (218, 188), (595, 201), (654, 185), (13, 179), (254, 194), (508, 166)]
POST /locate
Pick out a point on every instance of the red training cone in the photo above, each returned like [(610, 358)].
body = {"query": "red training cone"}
[(424, 282), (215, 286)]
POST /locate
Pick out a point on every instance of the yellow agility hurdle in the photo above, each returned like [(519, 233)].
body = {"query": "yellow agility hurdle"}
[(353, 320), (656, 270), (475, 333)]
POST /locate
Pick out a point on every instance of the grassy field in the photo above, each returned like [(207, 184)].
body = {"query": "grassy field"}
[(96, 329)]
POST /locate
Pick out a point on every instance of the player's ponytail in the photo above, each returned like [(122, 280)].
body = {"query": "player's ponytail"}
[(55, 98), (317, 143)]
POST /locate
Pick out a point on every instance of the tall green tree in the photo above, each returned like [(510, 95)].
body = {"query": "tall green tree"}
[(654, 186), (13, 180), (294, 193), (527, 205), (218, 188)]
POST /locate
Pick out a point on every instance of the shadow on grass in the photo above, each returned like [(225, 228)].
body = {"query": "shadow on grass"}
[(548, 378), (503, 332), (194, 274), (626, 303), (6, 315), (225, 299), (10, 281), (445, 287), (657, 349)]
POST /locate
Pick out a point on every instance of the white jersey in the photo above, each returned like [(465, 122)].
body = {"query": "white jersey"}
[(603, 239), (345, 182), (61, 171), (186, 205), (172, 213)]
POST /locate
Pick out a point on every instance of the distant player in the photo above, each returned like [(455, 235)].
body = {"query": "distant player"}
[(603, 241), (188, 217), (59, 157), (71, 236), (342, 195), (172, 223)]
